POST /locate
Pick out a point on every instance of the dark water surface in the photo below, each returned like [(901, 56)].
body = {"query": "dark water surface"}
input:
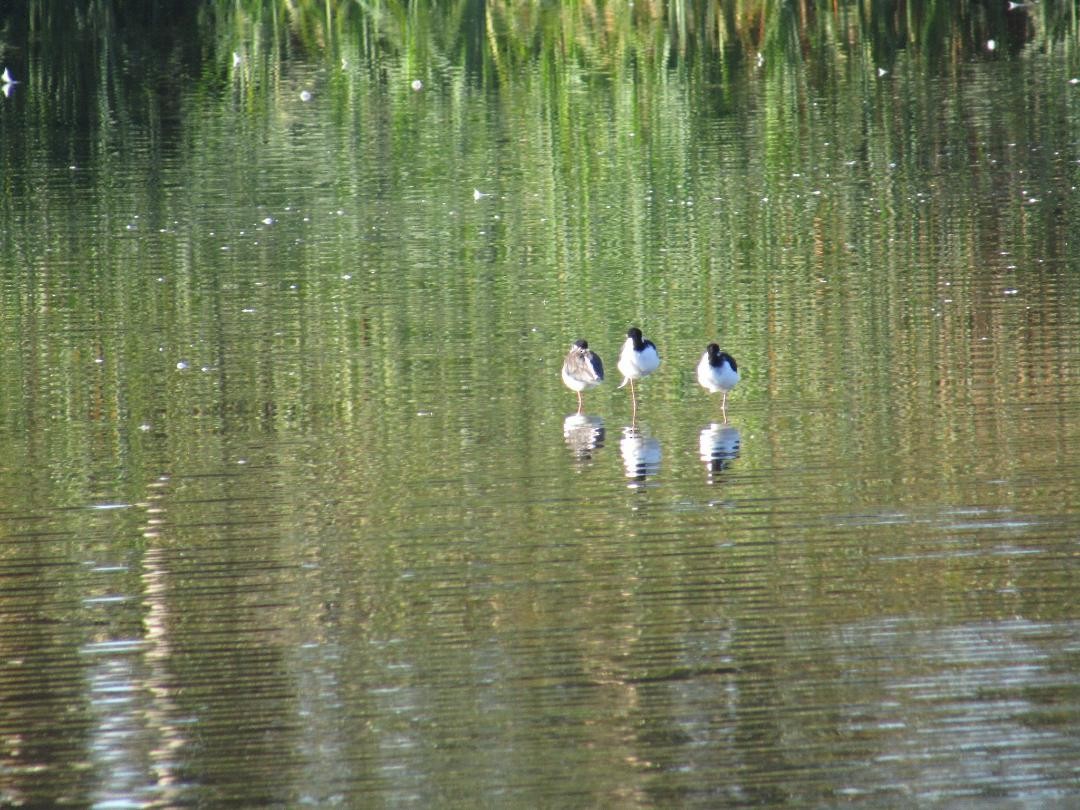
[(294, 510)]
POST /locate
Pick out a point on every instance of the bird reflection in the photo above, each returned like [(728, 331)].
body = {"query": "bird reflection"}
[(583, 434), (640, 455), (719, 446)]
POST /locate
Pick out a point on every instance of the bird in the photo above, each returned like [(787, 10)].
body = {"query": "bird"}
[(7, 83), (581, 370), (637, 359), (717, 371)]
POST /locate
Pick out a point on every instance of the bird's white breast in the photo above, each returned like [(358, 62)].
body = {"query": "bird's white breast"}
[(634, 364), (716, 378)]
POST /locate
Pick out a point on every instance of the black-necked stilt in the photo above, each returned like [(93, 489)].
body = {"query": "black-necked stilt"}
[(582, 369), (7, 83), (637, 359), (716, 371)]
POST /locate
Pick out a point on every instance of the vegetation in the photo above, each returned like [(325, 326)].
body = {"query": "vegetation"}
[(490, 41)]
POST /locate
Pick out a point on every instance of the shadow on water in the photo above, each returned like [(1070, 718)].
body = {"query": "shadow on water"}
[(584, 435), (640, 454), (719, 445)]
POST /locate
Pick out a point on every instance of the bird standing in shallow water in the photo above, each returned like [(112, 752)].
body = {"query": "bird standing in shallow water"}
[(581, 370), (7, 84), (637, 359), (717, 371)]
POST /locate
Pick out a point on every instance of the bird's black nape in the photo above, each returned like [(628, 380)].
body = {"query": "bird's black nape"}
[(635, 335), (717, 357)]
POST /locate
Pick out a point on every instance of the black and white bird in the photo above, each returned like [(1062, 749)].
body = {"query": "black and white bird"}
[(717, 371), (637, 359), (581, 370), (7, 83)]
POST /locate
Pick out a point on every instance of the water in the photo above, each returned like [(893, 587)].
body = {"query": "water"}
[(294, 509)]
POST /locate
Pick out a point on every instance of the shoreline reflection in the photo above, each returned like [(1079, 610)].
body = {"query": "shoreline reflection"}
[(719, 445)]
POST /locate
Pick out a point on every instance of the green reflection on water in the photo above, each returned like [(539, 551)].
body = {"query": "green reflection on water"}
[(317, 375)]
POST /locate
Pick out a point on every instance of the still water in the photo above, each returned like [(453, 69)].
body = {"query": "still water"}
[(295, 510)]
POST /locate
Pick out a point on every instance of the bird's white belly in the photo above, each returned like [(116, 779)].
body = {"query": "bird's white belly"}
[(716, 378), (636, 365)]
